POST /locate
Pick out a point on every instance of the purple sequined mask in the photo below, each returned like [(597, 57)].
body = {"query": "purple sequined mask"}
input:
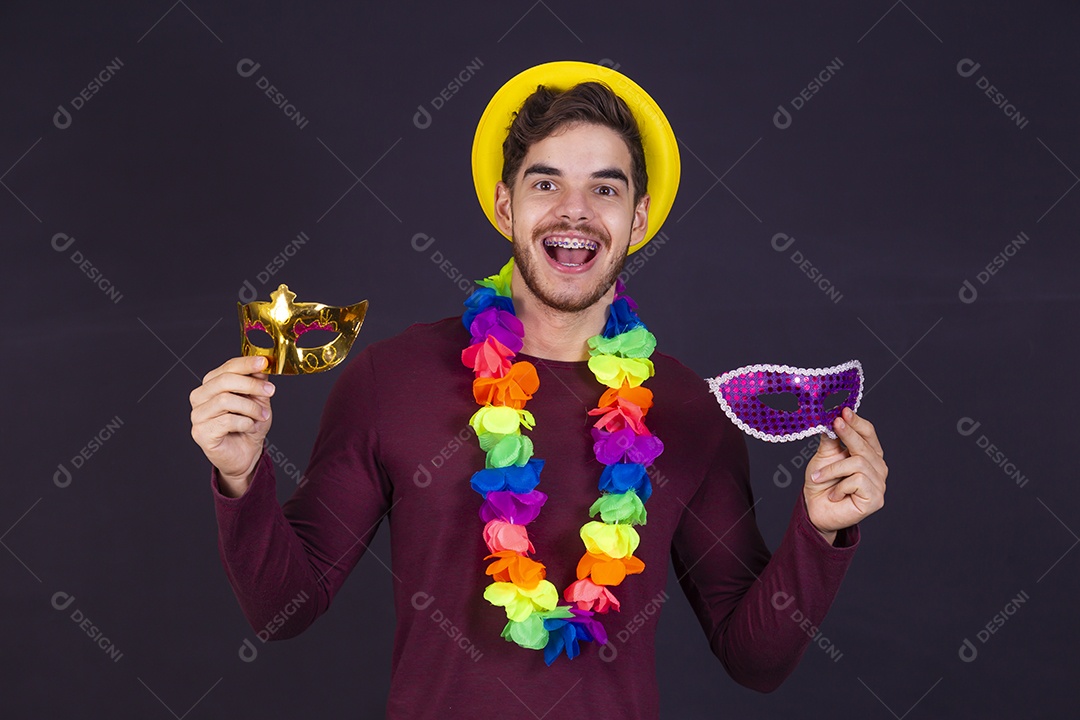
[(816, 389)]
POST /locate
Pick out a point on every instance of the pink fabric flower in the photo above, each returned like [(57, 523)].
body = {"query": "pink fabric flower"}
[(501, 535), (590, 596)]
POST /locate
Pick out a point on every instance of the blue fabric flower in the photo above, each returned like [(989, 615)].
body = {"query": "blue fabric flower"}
[(480, 300), (519, 479), (620, 477), (566, 633), (621, 317)]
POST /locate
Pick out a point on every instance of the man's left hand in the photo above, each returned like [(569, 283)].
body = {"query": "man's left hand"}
[(845, 479)]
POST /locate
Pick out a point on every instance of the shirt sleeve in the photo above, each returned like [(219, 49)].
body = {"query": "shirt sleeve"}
[(759, 612), (286, 562)]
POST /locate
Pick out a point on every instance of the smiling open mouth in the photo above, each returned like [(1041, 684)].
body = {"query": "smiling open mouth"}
[(569, 251)]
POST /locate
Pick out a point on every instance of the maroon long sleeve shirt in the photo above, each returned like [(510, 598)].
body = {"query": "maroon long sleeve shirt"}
[(394, 443)]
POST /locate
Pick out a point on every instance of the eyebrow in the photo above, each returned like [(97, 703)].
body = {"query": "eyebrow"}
[(612, 173)]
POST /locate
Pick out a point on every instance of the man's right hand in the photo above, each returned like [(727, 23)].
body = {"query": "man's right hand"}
[(230, 416)]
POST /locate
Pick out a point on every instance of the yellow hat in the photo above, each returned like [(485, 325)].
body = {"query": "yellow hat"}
[(657, 138)]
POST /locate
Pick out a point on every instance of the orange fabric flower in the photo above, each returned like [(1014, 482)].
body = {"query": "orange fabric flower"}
[(640, 396), (511, 567), (606, 570), (511, 390), (623, 407), (487, 359)]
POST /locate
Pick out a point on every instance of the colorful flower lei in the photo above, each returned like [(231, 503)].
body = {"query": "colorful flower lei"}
[(621, 442)]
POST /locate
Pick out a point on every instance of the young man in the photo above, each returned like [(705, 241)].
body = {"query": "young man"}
[(575, 199)]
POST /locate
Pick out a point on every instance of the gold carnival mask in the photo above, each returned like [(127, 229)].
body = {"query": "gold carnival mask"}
[(285, 321)]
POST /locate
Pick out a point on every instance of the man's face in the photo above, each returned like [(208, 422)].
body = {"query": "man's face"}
[(572, 215)]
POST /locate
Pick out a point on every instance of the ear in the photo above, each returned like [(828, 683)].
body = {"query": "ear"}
[(641, 220), (503, 212)]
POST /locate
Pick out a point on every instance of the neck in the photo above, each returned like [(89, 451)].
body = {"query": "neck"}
[(553, 334)]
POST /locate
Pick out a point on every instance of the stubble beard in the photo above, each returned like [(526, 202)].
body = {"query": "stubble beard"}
[(567, 304)]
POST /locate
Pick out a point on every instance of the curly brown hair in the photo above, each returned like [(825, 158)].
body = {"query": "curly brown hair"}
[(547, 110)]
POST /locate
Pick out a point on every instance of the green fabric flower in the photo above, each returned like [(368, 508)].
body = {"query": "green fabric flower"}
[(530, 633), (623, 507), (500, 282), (635, 343), (508, 450)]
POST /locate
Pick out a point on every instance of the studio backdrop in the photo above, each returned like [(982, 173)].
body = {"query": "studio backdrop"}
[(889, 182)]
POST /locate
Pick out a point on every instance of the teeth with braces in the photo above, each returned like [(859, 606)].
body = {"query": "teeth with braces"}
[(571, 243)]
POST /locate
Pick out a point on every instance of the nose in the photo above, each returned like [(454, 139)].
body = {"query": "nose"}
[(574, 205)]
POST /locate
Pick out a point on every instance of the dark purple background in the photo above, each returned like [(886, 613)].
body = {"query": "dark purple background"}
[(899, 180)]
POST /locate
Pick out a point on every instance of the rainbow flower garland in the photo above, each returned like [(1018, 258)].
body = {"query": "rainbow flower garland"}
[(621, 442)]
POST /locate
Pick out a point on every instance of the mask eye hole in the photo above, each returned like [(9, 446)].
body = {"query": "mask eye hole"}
[(785, 401), (834, 400), (315, 338), (259, 338)]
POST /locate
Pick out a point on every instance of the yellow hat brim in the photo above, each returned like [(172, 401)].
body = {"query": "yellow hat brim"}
[(657, 138)]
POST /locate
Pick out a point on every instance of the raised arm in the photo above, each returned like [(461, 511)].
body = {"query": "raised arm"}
[(759, 612), (286, 562)]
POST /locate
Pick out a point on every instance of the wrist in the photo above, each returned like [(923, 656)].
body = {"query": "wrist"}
[(830, 536), (233, 486)]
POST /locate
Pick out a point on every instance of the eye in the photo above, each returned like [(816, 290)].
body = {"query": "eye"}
[(784, 401), (259, 337), (834, 401), (544, 185), (315, 338), (606, 190)]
